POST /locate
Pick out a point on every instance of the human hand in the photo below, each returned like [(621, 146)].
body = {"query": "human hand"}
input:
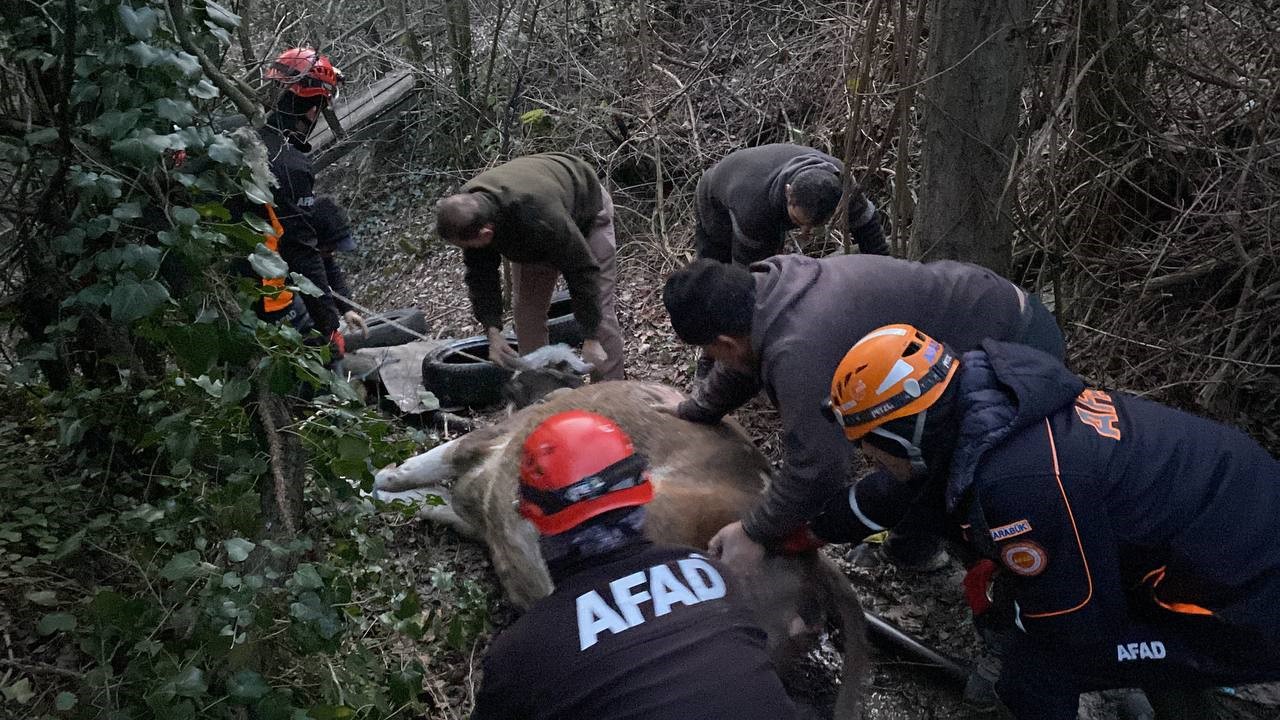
[(593, 352), (500, 352), (353, 319), (733, 547)]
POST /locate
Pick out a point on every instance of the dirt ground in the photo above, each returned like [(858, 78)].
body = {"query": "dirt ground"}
[(401, 264)]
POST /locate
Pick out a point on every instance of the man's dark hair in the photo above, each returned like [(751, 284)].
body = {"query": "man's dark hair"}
[(460, 217), (817, 192), (710, 298)]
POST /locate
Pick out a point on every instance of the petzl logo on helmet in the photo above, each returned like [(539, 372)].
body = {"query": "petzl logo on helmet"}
[(931, 350)]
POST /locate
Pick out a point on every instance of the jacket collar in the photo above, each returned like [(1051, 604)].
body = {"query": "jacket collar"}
[(1004, 387)]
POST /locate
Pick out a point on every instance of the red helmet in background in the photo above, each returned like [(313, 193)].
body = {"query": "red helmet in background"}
[(576, 465), (305, 73)]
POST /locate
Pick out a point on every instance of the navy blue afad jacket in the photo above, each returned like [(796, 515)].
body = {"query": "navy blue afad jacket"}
[(1118, 518)]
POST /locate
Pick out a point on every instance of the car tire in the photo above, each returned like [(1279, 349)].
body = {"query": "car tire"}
[(383, 334), (468, 380), (562, 326)]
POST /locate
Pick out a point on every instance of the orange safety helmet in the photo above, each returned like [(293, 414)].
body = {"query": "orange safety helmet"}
[(305, 73), (892, 372), (576, 465)]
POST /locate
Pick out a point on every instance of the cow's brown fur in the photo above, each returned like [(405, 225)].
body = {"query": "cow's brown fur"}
[(704, 476)]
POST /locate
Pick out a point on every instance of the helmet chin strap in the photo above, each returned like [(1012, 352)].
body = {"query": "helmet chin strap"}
[(912, 446)]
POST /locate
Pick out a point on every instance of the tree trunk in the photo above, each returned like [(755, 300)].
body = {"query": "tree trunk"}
[(976, 64)]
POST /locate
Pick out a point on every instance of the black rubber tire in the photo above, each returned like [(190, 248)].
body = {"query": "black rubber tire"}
[(383, 334), (562, 326), (457, 380)]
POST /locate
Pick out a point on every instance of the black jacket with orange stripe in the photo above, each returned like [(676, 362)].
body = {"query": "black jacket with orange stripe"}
[(293, 198), (1122, 522)]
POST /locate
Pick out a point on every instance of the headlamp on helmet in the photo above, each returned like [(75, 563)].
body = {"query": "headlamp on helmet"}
[(577, 465)]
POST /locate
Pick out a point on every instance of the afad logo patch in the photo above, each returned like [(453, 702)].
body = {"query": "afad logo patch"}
[(1024, 557), (1153, 650), (1012, 530)]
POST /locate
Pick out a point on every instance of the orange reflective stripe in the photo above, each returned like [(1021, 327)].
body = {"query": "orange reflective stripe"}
[(1184, 608), (1057, 475), (279, 299), (1156, 577)]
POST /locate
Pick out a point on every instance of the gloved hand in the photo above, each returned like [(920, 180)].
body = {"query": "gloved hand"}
[(801, 540), (500, 352), (977, 586), (354, 320), (594, 353)]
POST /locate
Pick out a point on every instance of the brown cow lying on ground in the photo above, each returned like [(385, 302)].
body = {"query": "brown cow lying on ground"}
[(704, 477)]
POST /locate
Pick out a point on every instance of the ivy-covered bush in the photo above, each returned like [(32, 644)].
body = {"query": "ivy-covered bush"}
[(181, 532)]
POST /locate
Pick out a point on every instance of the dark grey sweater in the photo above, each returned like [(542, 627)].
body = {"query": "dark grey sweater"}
[(547, 204), (808, 313), (742, 204)]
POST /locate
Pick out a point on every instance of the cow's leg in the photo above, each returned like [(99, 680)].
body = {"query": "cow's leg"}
[(429, 469), (844, 602), (517, 561), (444, 514)]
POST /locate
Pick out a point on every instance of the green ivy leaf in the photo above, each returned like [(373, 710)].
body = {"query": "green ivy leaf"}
[(114, 124), (258, 224), (218, 32), (186, 63), (235, 390), (130, 300), (304, 285), (186, 216), (214, 211), (44, 598), (142, 259), (247, 685), (306, 577), (256, 192), (221, 15), (127, 211), (43, 136), (224, 150), (56, 622), (183, 566), (406, 684), (19, 692), (267, 263), (69, 546), (189, 683), (204, 90), (238, 549), (65, 701), (139, 23), (352, 448), (176, 111)]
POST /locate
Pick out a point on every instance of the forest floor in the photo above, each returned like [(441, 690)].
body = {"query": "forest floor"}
[(401, 264)]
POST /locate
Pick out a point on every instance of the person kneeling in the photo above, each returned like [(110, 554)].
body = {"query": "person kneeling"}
[(633, 629), (1136, 542)]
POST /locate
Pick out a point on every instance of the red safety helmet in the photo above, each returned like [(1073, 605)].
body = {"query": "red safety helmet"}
[(305, 73), (577, 465)]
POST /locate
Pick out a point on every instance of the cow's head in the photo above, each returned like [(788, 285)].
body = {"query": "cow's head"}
[(543, 371)]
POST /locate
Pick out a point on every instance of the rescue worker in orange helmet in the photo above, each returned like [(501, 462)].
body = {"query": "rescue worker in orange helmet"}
[(632, 630), (307, 82), (1136, 544)]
